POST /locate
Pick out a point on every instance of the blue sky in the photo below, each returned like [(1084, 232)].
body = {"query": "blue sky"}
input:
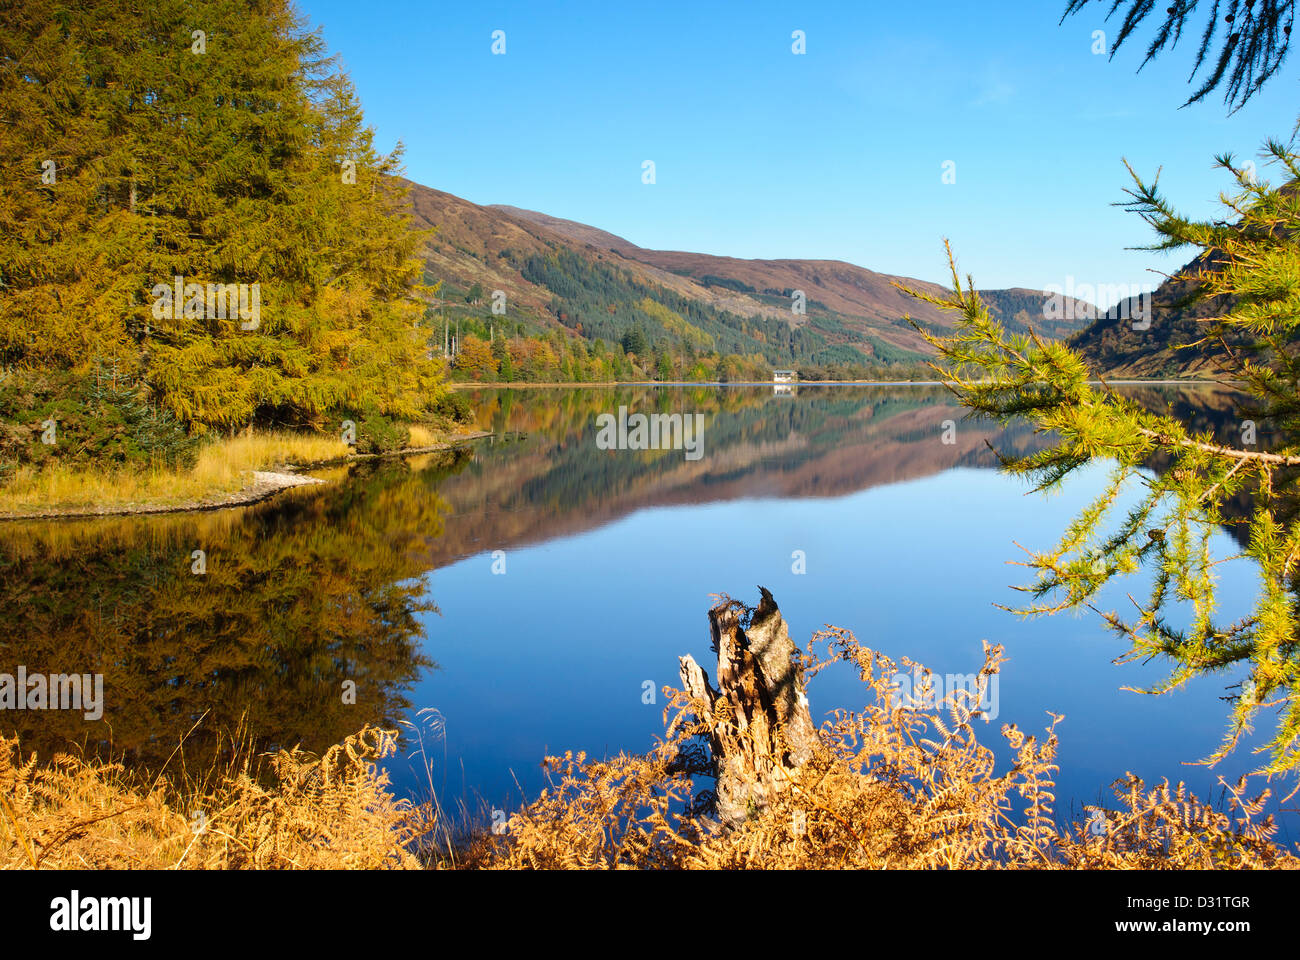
[(835, 154)]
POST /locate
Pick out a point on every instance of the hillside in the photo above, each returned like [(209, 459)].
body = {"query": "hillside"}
[(560, 274), (1112, 347)]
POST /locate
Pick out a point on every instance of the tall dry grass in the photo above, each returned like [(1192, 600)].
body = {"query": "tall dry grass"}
[(891, 786), (420, 436), (222, 467), (287, 810)]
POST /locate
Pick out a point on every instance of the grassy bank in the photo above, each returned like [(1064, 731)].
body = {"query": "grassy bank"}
[(222, 470)]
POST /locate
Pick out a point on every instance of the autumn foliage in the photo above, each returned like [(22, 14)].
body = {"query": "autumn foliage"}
[(202, 147), (890, 786)]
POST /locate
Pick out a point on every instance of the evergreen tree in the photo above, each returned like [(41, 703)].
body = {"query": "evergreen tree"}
[(665, 367), (1255, 264), (236, 156), (634, 342), (505, 365)]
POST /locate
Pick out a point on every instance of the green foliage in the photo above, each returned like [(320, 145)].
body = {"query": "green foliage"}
[(1018, 310), (505, 363), (711, 281), (453, 407), (377, 433), (1201, 484), (688, 335), (97, 418), (601, 305), (602, 301), (840, 354), (664, 368), (634, 342), (886, 353)]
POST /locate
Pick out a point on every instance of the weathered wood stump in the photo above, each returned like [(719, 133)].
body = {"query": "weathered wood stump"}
[(761, 730)]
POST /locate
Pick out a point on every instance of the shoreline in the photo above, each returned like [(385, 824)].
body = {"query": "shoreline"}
[(266, 484), (515, 385)]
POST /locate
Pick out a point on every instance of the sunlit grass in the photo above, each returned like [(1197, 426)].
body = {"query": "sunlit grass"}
[(223, 467), (221, 461), (421, 436)]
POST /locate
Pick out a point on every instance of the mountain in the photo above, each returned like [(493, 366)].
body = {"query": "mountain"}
[(560, 274), (1112, 347)]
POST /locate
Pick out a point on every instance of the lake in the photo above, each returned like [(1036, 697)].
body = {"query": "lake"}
[(531, 594)]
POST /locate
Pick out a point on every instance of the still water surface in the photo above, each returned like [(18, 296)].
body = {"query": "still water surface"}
[(516, 598)]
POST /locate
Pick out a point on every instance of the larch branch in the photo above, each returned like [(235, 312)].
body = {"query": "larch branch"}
[(1285, 461)]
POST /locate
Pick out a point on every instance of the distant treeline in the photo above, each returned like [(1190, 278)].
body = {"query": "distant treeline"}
[(615, 326)]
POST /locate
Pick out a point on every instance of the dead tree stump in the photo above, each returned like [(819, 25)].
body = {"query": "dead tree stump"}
[(761, 730)]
